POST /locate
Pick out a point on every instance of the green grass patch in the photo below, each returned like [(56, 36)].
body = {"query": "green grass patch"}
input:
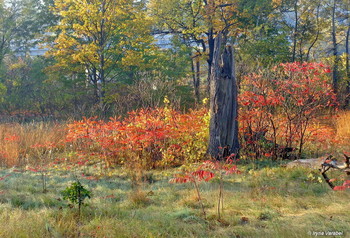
[(265, 202)]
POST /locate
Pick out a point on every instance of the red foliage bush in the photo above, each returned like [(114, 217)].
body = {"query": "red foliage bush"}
[(280, 107), (343, 187), (148, 138)]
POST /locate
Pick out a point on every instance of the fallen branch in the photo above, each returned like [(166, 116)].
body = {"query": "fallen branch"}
[(331, 163)]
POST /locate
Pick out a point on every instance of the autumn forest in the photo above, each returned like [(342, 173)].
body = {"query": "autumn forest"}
[(174, 118)]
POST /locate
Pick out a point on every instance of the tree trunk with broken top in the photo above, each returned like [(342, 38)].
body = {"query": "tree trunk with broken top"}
[(223, 127)]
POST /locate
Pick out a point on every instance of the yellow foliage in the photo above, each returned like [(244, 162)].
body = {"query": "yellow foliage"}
[(101, 34)]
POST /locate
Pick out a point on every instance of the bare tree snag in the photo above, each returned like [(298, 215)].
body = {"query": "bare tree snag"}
[(331, 163), (223, 127)]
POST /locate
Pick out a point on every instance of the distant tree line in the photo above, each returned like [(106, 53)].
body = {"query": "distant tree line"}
[(102, 57)]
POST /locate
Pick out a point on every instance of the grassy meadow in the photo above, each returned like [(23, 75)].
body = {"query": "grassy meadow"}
[(266, 202), (266, 199)]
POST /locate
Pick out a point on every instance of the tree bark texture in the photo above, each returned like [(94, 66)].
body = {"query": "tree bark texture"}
[(195, 68), (211, 45), (335, 49), (347, 66), (223, 127), (295, 31)]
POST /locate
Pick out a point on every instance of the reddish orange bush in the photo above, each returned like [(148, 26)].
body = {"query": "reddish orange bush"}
[(147, 138), (280, 107)]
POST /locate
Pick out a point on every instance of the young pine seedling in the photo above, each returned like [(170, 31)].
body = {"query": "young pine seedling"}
[(76, 194)]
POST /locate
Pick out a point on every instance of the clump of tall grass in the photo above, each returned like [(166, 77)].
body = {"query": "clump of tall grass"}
[(342, 123), (18, 142)]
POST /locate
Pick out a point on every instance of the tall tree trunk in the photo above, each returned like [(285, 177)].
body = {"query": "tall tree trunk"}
[(211, 42), (347, 65), (196, 76), (102, 84), (223, 100), (93, 79), (335, 50), (295, 33), (317, 33)]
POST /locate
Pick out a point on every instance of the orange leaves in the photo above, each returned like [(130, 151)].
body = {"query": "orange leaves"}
[(306, 68), (4, 177), (203, 175), (343, 187), (219, 167), (35, 170), (346, 183), (323, 135), (14, 138), (261, 100), (306, 85), (198, 175), (282, 106), (181, 179), (147, 134), (339, 188), (205, 172)]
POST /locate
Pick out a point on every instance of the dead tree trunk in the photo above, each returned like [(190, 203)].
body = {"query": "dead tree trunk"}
[(223, 101), (347, 65)]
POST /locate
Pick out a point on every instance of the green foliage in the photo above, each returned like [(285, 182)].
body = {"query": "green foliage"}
[(3, 90), (23, 24), (76, 193), (99, 38), (7, 29), (265, 45)]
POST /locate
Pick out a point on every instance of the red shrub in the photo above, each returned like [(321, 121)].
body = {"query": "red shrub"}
[(148, 137), (281, 107)]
